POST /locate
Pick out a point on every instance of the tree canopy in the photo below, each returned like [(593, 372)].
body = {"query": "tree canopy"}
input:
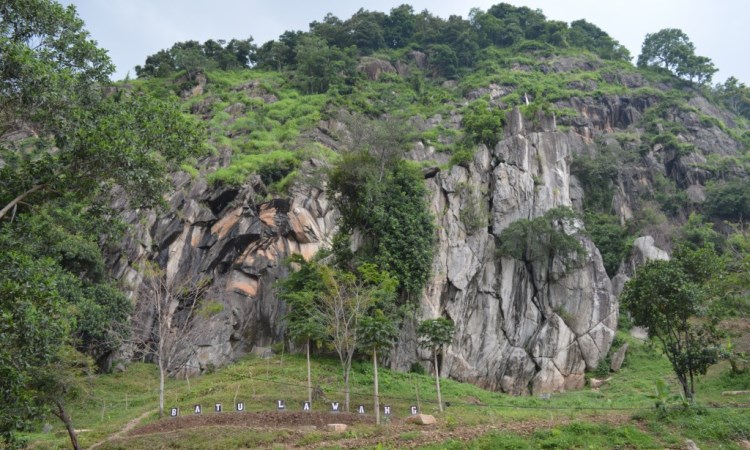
[(672, 50), (65, 143)]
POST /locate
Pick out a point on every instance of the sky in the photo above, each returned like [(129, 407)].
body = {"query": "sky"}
[(133, 29)]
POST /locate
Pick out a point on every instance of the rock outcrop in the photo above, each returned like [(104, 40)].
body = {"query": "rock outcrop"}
[(520, 327)]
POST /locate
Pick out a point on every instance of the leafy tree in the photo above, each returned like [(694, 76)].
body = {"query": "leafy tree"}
[(443, 60), (377, 334), (348, 299), (729, 200), (399, 26), (671, 49), (543, 239), (130, 141), (384, 199), (483, 123), (610, 237), (320, 66), (666, 297), (303, 290), (34, 329), (433, 334), (586, 35), (735, 95), (195, 58), (46, 55), (63, 145)]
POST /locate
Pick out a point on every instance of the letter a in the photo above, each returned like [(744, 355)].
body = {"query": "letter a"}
[(306, 406), (197, 409), (361, 409)]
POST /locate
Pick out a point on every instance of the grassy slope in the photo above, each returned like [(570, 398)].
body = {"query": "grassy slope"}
[(620, 414)]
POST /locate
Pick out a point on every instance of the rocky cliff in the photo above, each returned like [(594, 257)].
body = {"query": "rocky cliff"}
[(521, 326)]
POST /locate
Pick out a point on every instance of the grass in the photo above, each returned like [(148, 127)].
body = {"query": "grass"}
[(619, 415)]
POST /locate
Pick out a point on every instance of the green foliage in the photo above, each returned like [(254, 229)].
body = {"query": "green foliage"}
[(610, 237), (384, 198), (474, 213), (34, 324), (376, 332), (666, 296), (597, 176), (272, 167), (543, 238), (735, 95), (483, 123), (434, 333), (729, 200), (50, 66), (194, 58), (672, 49)]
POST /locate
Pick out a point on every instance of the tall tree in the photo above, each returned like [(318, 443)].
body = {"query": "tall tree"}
[(378, 333), (171, 304), (434, 334), (670, 299), (303, 291), (672, 50)]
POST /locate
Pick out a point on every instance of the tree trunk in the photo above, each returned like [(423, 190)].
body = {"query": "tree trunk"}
[(63, 415), (346, 388), (377, 393), (309, 376), (161, 389), (437, 383)]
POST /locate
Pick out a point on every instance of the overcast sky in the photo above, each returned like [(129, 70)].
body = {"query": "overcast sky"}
[(134, 29)]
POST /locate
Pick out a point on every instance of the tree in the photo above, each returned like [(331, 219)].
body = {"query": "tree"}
[(49, 66), (586, 35), (348, 299), (483, 123), (34, 328), (383, 197), (433, 334), (543, 238), (302, 291), (671, 49), (735, 95), (171, 303), (670, 298), (130, 141), (378, 333)]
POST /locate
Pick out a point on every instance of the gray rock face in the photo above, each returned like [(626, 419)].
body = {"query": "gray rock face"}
[(520, 327), (618, 358)]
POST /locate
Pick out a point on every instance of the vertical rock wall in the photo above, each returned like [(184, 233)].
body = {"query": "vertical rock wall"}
[(520, 327)]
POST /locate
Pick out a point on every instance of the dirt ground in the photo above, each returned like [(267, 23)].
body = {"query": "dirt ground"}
[(297, 424)]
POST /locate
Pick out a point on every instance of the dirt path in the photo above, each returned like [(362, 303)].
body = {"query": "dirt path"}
[(126, 429)]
